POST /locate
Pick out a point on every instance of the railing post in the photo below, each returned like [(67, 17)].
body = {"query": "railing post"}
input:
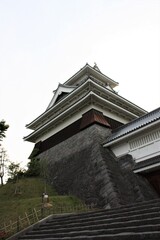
[(18, 227), (10, 225), (27, 219), (42, 211), (5, 227), (36, 214)]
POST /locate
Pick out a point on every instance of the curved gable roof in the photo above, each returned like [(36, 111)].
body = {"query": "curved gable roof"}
[(59, 91)]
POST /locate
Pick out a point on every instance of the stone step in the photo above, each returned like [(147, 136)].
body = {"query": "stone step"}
[(154, 235), (95, 223), (97, 232), (113, 212), (138, 222), (127, 208), (154, 212), (98, 226)]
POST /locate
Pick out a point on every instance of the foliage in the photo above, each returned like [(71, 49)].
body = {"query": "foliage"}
[(3, 235), (33, 168), (16, 173), (44, 169), (13, 170), (3, 160), (3, 129)]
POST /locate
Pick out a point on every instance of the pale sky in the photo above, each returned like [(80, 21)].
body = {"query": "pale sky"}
[(45, 42)]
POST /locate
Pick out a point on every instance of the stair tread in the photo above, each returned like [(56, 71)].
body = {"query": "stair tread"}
[(102, 219), (113, 224), (146, 234), (110, 212), (100, 231)]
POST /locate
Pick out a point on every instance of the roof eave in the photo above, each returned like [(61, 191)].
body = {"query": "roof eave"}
[(94, 97), (87, 69), (130, 134)]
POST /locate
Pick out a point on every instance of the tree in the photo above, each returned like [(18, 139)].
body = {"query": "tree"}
[(3, 129), (2, 164), (33, 168), (13, 170)]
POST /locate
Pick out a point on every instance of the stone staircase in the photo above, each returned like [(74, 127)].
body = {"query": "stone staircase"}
[(132, 222)]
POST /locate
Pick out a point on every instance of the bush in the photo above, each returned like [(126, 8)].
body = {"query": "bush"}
[(33, 168)]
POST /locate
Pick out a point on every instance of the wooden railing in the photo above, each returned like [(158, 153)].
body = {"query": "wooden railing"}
[(13, 226)]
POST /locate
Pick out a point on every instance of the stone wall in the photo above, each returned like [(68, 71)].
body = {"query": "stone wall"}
[(82, 167)]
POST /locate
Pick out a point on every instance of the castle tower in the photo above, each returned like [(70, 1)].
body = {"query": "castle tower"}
[(85, 91), (69, 137)]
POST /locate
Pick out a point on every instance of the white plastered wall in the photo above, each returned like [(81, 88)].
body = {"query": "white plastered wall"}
[(141, 147)]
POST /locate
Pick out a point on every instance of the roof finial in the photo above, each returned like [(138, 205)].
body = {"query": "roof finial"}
[(96, 67)]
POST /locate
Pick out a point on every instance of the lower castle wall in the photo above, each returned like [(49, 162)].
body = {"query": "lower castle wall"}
[(82, 167), (70, 164)]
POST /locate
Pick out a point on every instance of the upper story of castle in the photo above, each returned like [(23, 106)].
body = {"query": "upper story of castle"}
[(88, 89)]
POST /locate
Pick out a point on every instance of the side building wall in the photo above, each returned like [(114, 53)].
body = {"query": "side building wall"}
[(82, 167)]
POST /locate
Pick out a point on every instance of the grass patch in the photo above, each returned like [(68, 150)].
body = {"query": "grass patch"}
[(30, 196), (25, 188)]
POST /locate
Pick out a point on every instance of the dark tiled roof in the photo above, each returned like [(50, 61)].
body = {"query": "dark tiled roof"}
[(135, 124), (147, 162)]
